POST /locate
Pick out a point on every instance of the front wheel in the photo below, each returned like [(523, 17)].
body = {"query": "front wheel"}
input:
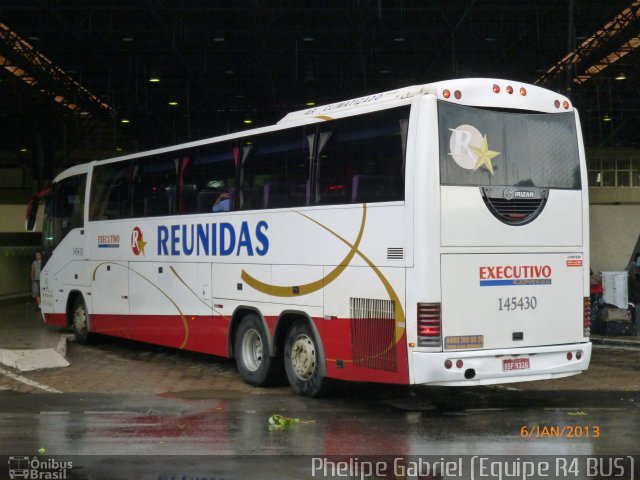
[(80, 321), (251, 349), (302, 361)]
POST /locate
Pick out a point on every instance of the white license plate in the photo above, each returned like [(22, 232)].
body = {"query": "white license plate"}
[(511, 364)]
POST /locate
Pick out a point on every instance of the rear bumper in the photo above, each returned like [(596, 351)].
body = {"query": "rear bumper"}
[(487, 366)]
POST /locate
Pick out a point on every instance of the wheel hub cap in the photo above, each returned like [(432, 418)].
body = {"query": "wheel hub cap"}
[(303, 357), (252, 350), (80, 319)]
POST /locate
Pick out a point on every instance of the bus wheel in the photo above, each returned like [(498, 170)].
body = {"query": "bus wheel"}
[(80, 321), (302, 361), (251, 350)]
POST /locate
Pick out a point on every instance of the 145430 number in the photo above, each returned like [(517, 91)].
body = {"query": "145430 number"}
[(510, 304)]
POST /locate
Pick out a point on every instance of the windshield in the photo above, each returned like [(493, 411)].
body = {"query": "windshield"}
[(487, 147)]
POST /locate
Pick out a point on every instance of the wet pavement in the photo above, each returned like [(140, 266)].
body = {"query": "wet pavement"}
[(129, 410)]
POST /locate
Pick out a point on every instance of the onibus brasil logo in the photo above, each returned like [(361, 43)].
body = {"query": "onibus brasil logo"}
[(470, 149), (23, 467)]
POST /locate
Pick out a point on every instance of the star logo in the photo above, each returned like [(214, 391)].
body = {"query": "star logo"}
[(137, 241), (484, 155), (470, 149)]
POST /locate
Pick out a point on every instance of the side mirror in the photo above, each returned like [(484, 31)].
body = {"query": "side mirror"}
[(32, 209)]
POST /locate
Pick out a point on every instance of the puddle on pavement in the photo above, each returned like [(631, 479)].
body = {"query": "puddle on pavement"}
[(211, 394)]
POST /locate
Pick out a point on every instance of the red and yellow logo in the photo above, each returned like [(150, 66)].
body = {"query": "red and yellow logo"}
[(137, 241)]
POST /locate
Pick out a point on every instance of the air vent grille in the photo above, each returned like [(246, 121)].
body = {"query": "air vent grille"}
[(373, 324), (395, 253)]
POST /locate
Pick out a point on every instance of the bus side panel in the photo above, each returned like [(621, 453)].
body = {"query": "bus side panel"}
[(170, 305), (363, 332), (110, 307), (227, 283)]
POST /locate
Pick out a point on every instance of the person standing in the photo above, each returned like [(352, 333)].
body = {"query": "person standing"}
[(35, 278)]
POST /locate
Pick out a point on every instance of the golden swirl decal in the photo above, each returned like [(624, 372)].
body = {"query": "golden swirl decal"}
[(282, 291), (399, 311)]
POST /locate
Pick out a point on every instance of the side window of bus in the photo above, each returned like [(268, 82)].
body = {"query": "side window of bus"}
[(64, 211), (207, 178), (274, 170), (153, 185), (361, 159), (110, 191)]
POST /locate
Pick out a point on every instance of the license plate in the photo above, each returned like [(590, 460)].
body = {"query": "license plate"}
[(511, 364)]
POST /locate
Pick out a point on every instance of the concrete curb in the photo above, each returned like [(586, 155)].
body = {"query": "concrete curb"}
[(37, 358), (616, 342)]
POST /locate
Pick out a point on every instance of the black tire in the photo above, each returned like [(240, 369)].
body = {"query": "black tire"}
[(302, 361), (80, 322), (253, 357)]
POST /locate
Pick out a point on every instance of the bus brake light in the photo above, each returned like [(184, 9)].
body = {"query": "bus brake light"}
[(587, 317), (523, 91), (429, 325), (496, 88)]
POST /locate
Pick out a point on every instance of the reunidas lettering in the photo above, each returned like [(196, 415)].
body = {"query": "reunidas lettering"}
[(213, 239)]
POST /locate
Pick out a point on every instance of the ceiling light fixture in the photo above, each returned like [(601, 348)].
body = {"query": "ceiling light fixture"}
[(173, 103), (310, 104), (621, 76), (125, 120), (154, 79), (247, 121), (606, 118)]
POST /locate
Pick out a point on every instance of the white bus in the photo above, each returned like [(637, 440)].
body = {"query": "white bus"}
[(435, 234)]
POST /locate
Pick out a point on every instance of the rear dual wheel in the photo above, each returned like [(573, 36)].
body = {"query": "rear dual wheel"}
[(302, 361), (302, 358), (253, 359)]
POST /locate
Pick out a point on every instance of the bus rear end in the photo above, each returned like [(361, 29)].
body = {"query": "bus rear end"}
[(511, 231)]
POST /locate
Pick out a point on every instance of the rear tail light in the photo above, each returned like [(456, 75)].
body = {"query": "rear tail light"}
[(429, 325), (496, 88), (587, 316), (446, 93), (457, 94), (523, 91), (565, 104), (509, 89)]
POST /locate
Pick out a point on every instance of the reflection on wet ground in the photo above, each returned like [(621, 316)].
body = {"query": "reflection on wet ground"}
[(361, 420)]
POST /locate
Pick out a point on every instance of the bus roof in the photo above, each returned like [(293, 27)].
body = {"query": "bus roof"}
[(480, 92), (466, 91)]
